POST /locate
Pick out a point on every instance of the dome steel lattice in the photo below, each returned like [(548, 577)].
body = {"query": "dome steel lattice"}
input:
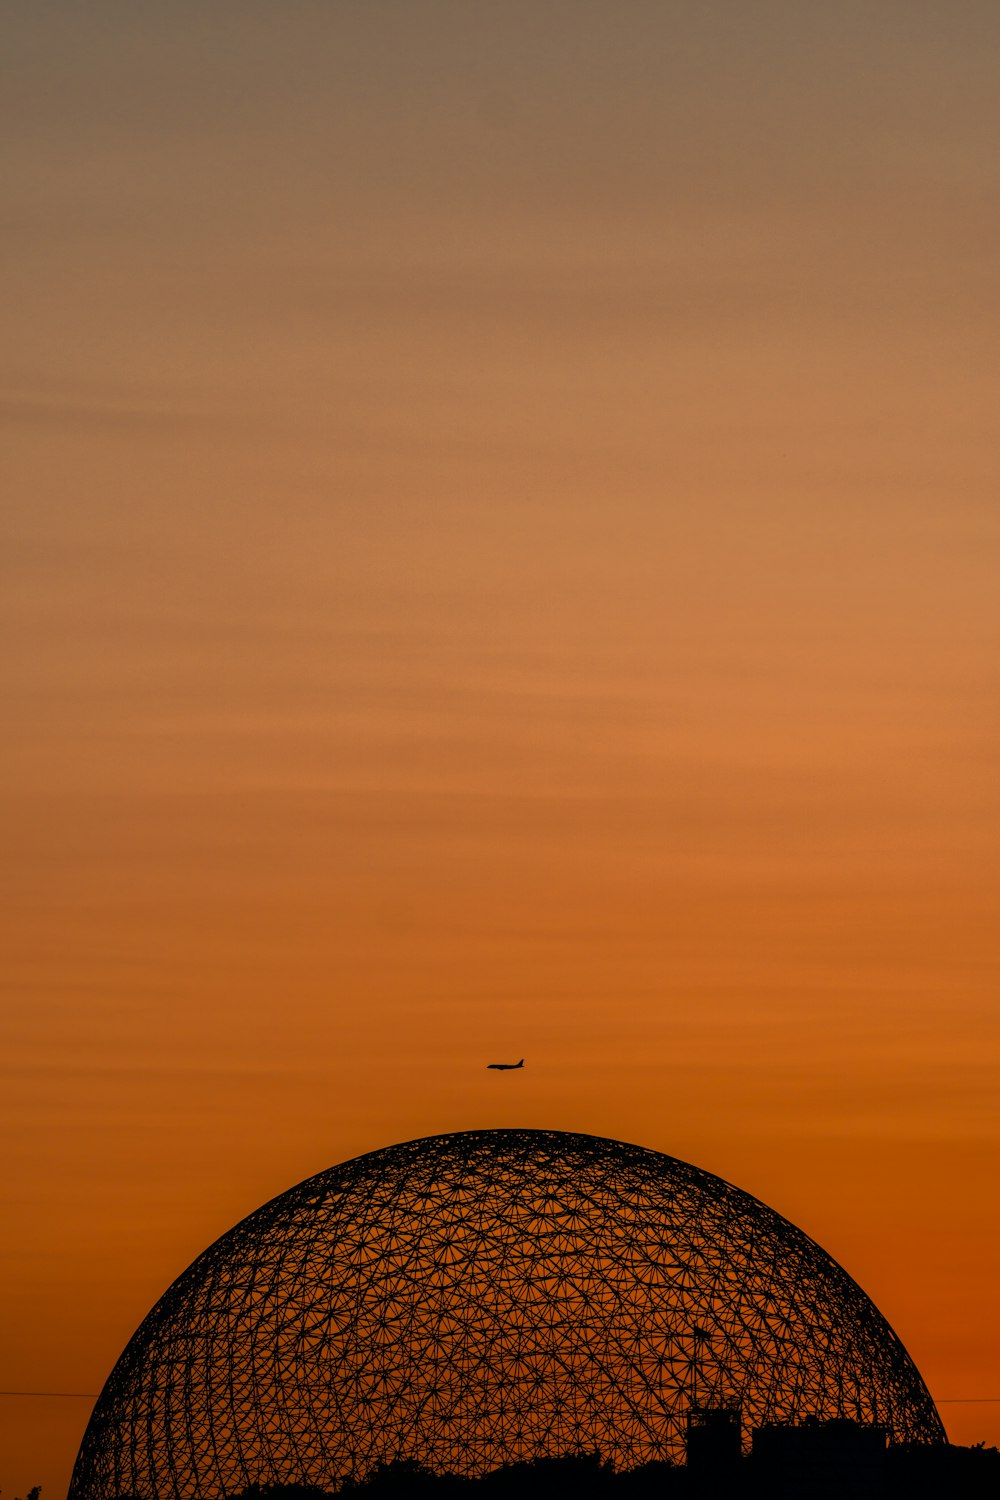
[(475, 1299)]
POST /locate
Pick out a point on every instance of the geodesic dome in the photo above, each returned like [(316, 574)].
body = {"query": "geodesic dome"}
[(475, 1299)]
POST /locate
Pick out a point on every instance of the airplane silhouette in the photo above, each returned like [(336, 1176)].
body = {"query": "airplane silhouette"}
[(505, 1067)]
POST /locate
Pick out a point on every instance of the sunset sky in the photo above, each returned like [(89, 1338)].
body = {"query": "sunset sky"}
[(501, 556)]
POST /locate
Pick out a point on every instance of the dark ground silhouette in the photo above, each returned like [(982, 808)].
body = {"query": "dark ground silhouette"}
[(941, 1472)]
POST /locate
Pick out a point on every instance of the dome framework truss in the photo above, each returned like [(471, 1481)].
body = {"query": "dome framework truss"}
[(470, 1300)]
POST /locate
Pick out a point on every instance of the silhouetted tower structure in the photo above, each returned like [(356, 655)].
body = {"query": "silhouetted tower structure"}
[(714, 1445)]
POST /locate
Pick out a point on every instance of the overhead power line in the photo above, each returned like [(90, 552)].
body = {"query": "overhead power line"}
[(93, 1395), (70, 1395), (968, 1400)]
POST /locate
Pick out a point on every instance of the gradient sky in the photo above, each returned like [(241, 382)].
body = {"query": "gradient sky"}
[(501, 553)]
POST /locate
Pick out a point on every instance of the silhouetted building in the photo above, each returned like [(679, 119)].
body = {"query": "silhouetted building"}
[(713, 1445), (813, 1460)]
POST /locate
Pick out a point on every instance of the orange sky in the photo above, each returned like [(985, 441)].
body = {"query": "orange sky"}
[(500, 557)]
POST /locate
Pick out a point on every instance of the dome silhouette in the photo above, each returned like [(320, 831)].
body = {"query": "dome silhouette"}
[(469, 1300)]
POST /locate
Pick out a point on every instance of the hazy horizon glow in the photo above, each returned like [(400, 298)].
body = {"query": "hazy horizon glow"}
[(501, 556)]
